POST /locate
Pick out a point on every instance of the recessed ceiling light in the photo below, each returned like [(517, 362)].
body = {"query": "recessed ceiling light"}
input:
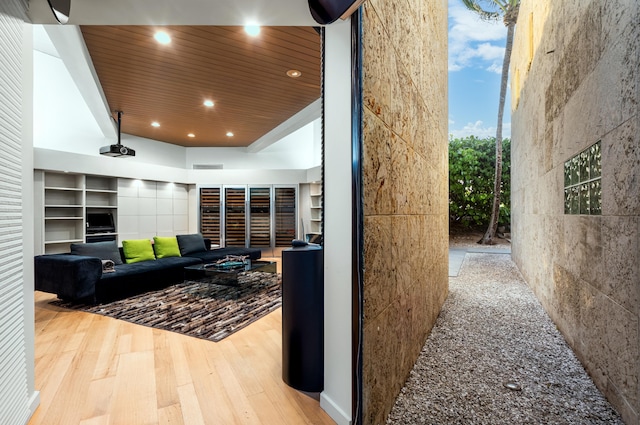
[(294, 73), (229, 134), (162, 37), (155, 124), (208, 103), (191, 135), (253, 30)]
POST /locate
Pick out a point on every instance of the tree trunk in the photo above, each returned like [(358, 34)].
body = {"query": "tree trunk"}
[(487, 239)]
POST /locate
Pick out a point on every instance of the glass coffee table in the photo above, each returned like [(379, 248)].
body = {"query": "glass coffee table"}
[(227, 275)]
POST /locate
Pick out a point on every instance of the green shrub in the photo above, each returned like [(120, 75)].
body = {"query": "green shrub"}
[(471, 171)]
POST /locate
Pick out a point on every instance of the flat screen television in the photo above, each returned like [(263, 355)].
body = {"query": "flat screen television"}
[(100, 223)]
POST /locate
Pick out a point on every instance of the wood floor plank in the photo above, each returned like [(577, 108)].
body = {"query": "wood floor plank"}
[(95, 370), (134, 397), (98, 420), (141, 338), (123, 339), (177, 344), (210, 390), (268, 372), (171, 415), (166, 383), (98, 398), (241, 368), (268, 415), (107, 357), (238, 399), (191, 413), (56, 366), (79, 375)]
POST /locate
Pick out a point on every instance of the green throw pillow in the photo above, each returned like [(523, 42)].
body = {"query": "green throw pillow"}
[(136, 250), (166, 246)]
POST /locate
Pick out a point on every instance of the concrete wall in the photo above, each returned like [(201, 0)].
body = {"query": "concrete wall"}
[(405, 190), (575, 82)]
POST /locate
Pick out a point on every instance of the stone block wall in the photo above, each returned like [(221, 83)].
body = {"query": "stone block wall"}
[(576, 81), (405, 169)]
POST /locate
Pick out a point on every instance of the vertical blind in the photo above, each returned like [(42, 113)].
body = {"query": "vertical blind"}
[(14, 395)]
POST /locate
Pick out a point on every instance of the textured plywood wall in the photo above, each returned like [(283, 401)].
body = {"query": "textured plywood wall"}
[(405, 190)]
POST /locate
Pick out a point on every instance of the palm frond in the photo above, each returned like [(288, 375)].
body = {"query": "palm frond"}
[(492, 11)]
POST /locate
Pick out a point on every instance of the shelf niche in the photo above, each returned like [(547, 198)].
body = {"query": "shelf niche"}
[(62, 201)]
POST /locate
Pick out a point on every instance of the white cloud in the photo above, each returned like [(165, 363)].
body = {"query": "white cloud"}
[(472, 41), (479, 130), (496, 68), (488, 51)]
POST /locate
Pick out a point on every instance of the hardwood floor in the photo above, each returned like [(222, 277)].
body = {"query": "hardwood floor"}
[(94, 370)]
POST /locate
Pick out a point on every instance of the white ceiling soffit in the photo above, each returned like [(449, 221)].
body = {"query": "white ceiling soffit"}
[(178, 12), (70, 46), (309, 114)]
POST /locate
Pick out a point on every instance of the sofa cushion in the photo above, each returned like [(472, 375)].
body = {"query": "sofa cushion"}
[(190, 244), (137, 250), (166, 246), (132, 279), (144, 269), (107, 250), (71, 277)]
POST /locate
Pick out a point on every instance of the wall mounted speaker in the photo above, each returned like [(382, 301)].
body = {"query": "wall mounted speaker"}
[(60, 9), (328, 11)]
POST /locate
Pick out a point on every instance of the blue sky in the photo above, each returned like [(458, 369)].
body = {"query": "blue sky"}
[(476, 51)]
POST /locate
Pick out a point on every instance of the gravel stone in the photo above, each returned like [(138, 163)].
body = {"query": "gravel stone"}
[(492, 331)]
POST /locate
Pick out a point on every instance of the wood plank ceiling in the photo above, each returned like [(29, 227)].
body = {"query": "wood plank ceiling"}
[(245, 77)]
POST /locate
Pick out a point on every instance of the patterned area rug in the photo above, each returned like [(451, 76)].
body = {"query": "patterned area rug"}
[(197, 308)]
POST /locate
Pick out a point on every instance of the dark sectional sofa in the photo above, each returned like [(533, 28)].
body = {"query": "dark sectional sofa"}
[(80, 278)]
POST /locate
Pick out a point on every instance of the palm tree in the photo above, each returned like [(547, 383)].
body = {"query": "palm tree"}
[(493, 10)]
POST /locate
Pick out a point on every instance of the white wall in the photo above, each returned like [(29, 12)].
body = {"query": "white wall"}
[(61, 119), (18, 398), (298, 150), (148, 208), (336, 397), (28, 215)]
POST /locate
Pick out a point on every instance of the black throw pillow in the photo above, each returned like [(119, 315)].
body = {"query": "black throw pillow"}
[(107, 250), (191, 243)]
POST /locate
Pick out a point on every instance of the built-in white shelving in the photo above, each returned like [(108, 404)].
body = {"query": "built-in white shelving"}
[(63, 201), (315, 205)]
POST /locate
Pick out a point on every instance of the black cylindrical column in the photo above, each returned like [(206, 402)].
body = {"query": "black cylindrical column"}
[(303, 318)]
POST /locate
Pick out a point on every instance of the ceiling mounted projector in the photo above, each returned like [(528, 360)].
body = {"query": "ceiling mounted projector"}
[(117, 149)]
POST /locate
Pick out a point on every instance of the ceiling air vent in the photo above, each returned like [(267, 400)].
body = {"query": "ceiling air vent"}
[(207, 166)]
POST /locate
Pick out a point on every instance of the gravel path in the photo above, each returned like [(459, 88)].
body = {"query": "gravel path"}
[(492, 331)]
